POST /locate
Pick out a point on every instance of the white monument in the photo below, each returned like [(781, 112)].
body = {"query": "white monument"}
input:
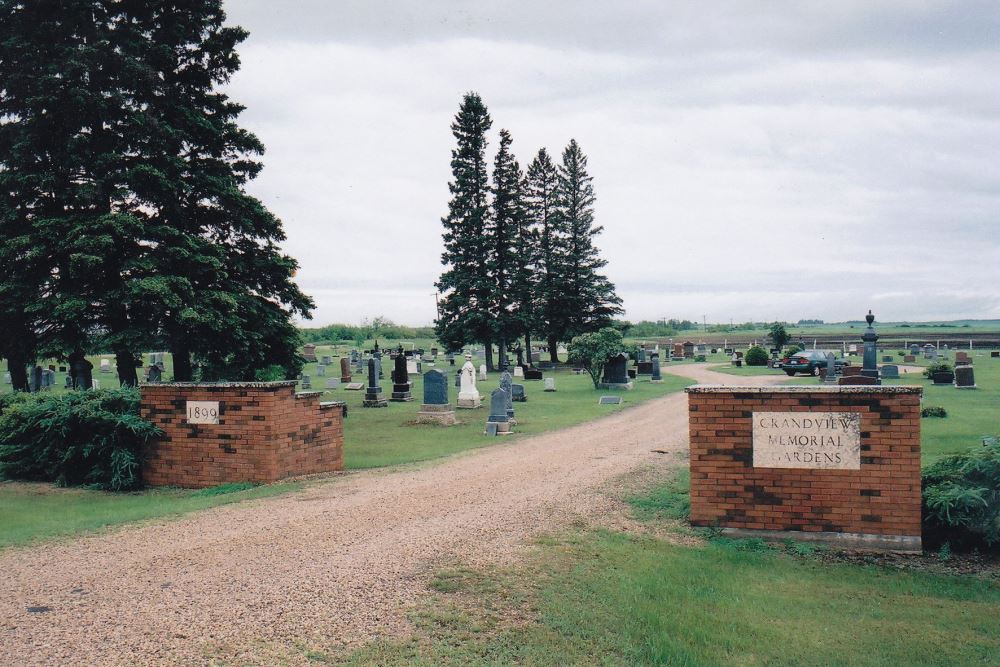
[(482, 372), (468, 396)]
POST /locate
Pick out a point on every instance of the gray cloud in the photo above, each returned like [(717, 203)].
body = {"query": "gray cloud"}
[(812, 161)]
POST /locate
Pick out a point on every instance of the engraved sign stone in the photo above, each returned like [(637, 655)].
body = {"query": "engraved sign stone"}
[(202, 412), (824, 440)]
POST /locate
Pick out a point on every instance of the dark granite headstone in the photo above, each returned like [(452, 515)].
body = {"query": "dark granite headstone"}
[(890, 372), (498, 406), (435, 388), (491, 428), (887, 359), (400, 378), (965, 377), (374, 398), (533, 374), (345, 370), (655, 370), (155, 373), (517, 393), (856, 379), (615, 370)]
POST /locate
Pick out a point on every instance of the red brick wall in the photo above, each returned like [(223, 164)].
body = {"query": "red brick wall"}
[(882, 498), (265, 433)]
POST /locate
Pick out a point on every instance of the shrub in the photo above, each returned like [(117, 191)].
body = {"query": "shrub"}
[(961, 498), (756, 356), (792, 349), (900, 353), (940, 367), (92, 438), (592, 350), (933, 411)]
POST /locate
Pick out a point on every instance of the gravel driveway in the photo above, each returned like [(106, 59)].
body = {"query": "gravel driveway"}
[(338, 563)]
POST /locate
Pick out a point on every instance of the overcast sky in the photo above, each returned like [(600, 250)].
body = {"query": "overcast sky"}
[(813, 161)]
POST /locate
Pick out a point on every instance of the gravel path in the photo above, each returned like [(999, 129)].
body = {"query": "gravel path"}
[(338, 563)]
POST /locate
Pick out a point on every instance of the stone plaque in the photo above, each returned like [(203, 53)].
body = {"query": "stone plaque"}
[(825, 440), (202, 412)]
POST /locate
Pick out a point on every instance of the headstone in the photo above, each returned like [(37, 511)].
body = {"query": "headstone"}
[(354, 386), (533, 374), (517, 393), (962, 358), (68, 384), (830, 376), (888, 359), (306, 382), (492, 429), (890, 372), (154, 375), (7, 380), (468, 395), (400, 378), (644, 368), (48, 379), (374, 398), (105, 365), (94, 384), (333, 383), (642, 354), (965, 377), (327, 360), (914, 349), (35, 379), (518, 372), (412, 367), (498, 410), (435, 388), (909, 358), (436, 409), (616, 372), (868, 366), (656, 373), (482, 372), (506, 383), (309, 352), (995, 354), (550, 384), (610, 400), (345, 369), (320, 370), (856, 379)]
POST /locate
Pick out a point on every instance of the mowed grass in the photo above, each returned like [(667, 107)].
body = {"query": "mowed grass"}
[(373, 437), (35, 511), (608, 598), (593, 596)]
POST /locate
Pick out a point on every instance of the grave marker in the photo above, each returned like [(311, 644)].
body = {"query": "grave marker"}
[(609, 400)]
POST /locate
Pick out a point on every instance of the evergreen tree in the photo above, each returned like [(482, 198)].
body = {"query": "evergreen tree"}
[(588, 301), (542, 213), (503, 234), (464, 312)]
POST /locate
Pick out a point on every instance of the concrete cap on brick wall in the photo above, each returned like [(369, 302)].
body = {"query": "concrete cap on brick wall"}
[(789, 389), (222, 385)]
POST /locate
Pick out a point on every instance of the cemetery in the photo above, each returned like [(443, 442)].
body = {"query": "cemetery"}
[(425, 383)]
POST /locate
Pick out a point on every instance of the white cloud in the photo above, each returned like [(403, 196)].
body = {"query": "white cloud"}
[(774, 175)]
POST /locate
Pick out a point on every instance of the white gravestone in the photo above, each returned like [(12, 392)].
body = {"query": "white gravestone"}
[(482, 372), (823, 440), (468, 395), (550, 384), (105, 365), (518, 372)]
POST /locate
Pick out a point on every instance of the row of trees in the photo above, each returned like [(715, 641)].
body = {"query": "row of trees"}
[(123, 214), (519, 255)]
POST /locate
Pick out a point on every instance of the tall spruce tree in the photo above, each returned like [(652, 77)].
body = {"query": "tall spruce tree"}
[(121, 177), (226, 288), (502, 234), (542, 214), (464, 312), (588, 301)]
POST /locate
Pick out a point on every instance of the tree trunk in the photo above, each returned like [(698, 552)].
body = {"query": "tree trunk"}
[(553, 346), (17, 366), (125, 361), (489, 356), (181, 353), (527, 347)]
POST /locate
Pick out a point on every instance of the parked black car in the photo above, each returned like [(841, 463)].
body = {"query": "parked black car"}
[(808, 362)]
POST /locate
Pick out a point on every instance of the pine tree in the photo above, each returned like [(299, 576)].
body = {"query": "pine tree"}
[(542, 213), (464, 312), (226, 289), (588, 300), (503, 240)]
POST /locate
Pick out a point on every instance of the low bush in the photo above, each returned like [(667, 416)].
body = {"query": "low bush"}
[(939, 367), (933, 411), (792, 349), (92, 438), (756, 356), (961, 498)]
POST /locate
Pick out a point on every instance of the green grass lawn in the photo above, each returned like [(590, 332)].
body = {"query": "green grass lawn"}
[(35, 511), (376, 437), (373, 437)]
